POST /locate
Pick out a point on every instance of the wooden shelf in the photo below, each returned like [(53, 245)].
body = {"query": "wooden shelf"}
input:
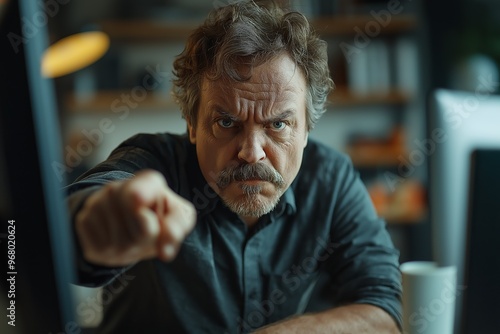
[(381, 161), (344, 25), (146, 30), (405, 204), (371, 157), (406, 218), (103, 101), (343, 97), (136, 30)]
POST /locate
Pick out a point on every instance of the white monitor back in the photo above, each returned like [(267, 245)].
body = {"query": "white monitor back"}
[(464, 121)]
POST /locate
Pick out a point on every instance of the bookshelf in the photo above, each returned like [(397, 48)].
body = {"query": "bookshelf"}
[(344, 97), (101, 101), (147, 31), (142, 31), (338, 25), (341, 97)]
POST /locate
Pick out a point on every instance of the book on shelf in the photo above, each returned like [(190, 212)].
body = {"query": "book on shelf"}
[(369, 69)]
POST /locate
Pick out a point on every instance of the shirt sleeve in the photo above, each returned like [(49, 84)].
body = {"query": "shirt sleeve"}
[(365, 265), (130, 157)]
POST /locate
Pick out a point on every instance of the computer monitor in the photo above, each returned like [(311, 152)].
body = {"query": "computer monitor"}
[(482, 264), (458, 124), (37, 257)]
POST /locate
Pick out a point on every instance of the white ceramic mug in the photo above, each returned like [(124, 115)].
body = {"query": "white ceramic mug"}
[(429, 294)]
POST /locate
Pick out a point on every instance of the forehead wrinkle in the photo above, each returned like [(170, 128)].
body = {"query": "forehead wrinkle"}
[(266, 93), (262, 105), (266, 88)]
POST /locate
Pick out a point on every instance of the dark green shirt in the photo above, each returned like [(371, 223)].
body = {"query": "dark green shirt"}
[(321, 247)]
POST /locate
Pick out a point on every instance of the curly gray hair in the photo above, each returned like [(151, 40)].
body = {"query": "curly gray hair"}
[(251, 33)]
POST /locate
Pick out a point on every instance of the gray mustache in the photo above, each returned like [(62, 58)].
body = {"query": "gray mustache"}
[(248, 172)]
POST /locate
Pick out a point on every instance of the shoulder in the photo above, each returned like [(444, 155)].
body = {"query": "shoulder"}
[(158, 143), (151, 150), (326, 176), (324, 163), (162, 152)]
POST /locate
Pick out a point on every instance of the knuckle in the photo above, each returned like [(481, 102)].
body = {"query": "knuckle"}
[(168, 251), (174, 232), (128, 193), (147, 224), (189, 216)]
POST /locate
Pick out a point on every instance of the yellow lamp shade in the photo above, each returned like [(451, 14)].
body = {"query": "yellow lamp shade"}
[(73, 53)]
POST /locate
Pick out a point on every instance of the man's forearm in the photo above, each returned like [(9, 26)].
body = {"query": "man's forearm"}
[(355, 318)]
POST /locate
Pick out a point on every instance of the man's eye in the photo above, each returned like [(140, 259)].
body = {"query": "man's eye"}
[(278, 125), (225, 123)]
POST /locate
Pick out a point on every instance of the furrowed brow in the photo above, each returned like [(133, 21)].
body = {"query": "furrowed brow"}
[(282, 116), (226, 114)]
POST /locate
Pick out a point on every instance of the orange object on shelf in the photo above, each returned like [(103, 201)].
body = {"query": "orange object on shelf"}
[(407, 204), (383, 152)]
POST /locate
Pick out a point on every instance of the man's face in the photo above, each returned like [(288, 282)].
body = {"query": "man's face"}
[(250, 136)]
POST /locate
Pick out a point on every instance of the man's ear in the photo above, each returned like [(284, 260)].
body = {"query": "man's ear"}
[(192, 132)]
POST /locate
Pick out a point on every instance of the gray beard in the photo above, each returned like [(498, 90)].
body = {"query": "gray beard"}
[(251, 205)]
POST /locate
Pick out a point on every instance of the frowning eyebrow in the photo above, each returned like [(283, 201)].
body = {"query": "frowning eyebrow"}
[(226, 114), (284, 115)]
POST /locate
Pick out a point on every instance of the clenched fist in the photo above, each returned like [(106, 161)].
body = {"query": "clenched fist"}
[(132, 220)]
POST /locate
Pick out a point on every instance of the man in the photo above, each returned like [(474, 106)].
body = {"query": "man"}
[(243, 224)]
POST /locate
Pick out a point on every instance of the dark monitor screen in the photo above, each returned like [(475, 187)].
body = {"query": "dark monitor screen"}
[(35, 240), (481, 305)]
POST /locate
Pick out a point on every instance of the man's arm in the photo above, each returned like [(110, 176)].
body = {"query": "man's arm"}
[(355, 318)]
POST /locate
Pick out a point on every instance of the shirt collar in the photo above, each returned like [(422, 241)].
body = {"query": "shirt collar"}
[(286, 204)]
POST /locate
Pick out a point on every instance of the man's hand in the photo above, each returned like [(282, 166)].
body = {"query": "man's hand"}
[(132, 220)]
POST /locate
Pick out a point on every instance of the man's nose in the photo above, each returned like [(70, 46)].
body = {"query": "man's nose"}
[(252, 148)]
